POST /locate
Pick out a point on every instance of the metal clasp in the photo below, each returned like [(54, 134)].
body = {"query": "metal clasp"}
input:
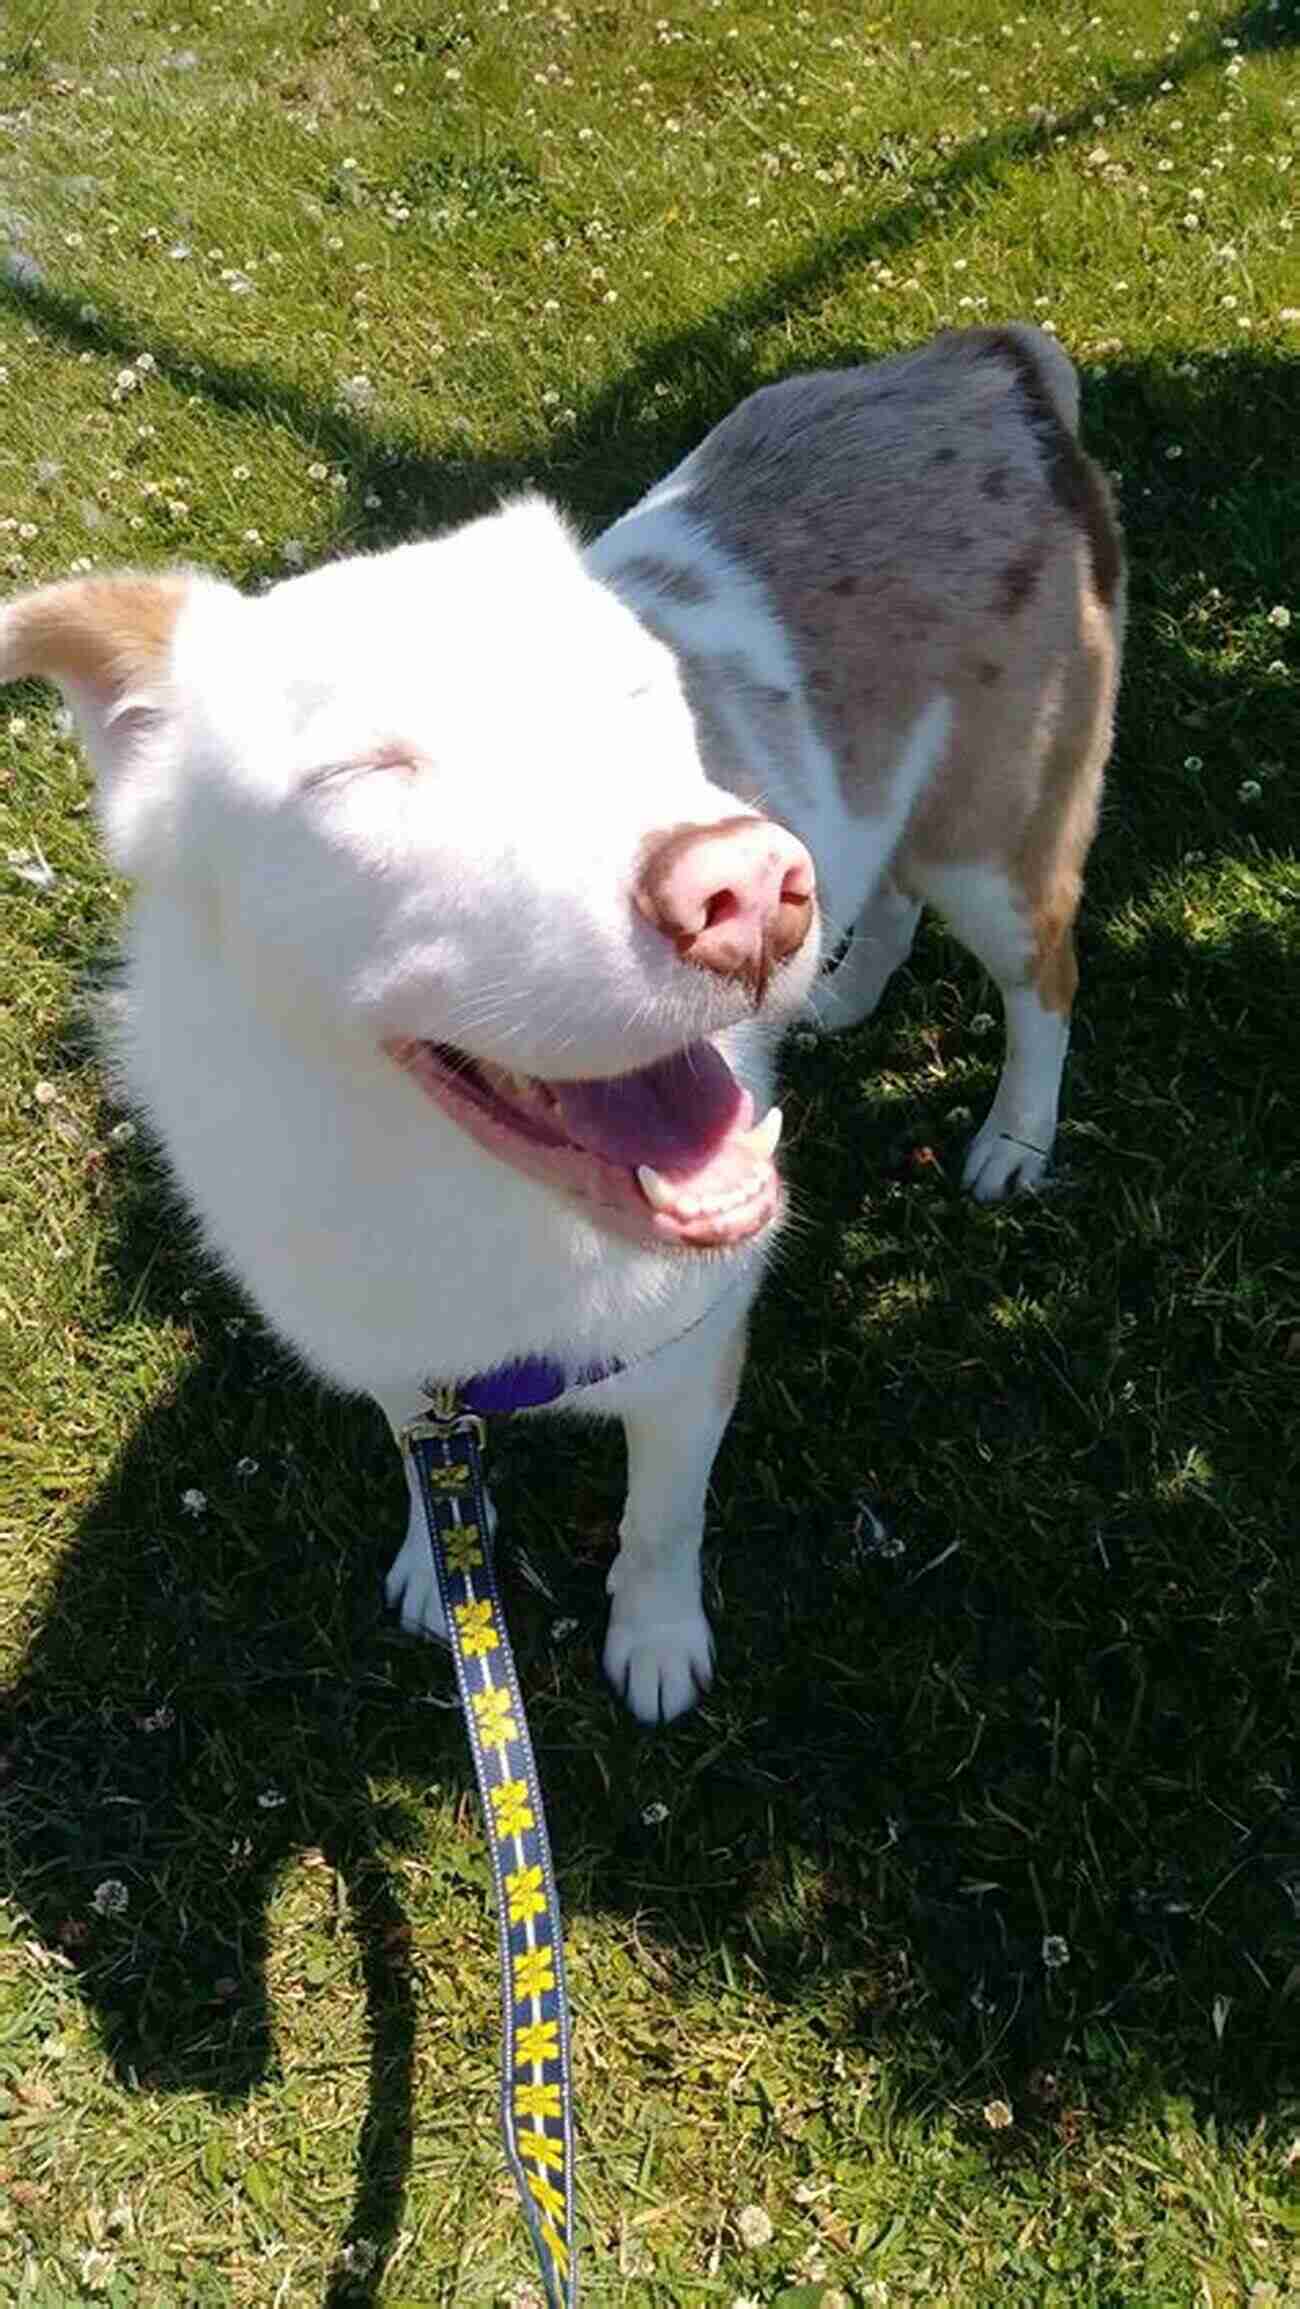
[(444, 1418)]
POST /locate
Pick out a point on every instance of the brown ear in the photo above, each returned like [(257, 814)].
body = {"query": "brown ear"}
[(105, 635), (107, 642)]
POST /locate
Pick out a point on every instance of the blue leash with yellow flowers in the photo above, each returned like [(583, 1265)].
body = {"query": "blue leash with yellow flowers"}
[(445, 1447)]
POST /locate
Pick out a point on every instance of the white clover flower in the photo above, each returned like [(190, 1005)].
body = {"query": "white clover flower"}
[(997, 2116), (1280, 616), (110, 1898), (1056, 1951), (654, 1815), (355, 393), (1249, 790), (270, 1799), (246, 1468), (754, 2227), (194, 1502)]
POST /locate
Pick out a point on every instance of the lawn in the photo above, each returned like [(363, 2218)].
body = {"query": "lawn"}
[(950, 1954)]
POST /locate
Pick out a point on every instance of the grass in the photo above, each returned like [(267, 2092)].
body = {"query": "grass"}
[(286, 280)]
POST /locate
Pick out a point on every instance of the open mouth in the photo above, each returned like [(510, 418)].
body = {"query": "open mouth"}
[(667, 1154)]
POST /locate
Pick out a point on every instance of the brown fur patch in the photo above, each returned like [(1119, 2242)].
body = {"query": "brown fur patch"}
[(858, 498), (672, 580), (1076, 483), (1017, 582), (1056, 972), (106, 634)]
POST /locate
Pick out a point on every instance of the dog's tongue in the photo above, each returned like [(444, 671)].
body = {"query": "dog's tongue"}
[(674, 1115)]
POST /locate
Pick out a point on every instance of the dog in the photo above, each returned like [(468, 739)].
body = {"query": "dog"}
[(476, 881)]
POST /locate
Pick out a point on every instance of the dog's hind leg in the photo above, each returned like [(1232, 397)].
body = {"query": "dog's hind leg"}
[(1032, 964), (659, 1649)]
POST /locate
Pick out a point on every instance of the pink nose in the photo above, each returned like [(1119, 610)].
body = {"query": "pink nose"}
[(735, 898)]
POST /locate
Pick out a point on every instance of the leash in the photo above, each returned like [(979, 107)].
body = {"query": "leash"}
[(445, 1446), (446, 1449)]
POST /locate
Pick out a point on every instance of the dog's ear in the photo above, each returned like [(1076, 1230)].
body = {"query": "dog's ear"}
[(107, 642)]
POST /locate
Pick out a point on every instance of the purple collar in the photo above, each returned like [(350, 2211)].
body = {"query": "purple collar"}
[(527, 1383)]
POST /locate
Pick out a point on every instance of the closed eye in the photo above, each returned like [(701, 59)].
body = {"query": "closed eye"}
[(386, 757)]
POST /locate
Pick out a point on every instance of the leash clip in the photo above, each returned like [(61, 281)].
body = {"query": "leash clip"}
[(443, 1418)]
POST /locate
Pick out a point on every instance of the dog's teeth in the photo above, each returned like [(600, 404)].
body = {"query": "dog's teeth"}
[(764, 1139), (657, 1191)]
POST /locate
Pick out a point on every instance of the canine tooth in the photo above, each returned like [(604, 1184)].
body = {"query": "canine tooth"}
[(763, 1140), (658, 1193)]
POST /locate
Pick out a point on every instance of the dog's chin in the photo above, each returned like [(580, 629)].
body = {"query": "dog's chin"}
[(667, 1156)]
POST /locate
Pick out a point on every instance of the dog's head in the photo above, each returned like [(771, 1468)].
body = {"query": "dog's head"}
[(448, 799)]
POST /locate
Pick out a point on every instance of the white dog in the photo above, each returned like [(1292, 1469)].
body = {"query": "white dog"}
[(474, 883)]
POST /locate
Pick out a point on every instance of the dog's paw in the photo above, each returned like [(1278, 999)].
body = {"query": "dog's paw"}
[(659, 1659), (999, 1164), (411, 1590)]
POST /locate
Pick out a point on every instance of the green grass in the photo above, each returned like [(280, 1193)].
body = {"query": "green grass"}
[(557, 243)]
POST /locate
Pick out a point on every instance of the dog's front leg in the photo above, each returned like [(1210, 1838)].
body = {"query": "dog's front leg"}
[(659, 1649), (411, 1586)]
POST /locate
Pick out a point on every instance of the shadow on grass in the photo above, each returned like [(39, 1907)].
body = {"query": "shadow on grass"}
[(1065, 1711)]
